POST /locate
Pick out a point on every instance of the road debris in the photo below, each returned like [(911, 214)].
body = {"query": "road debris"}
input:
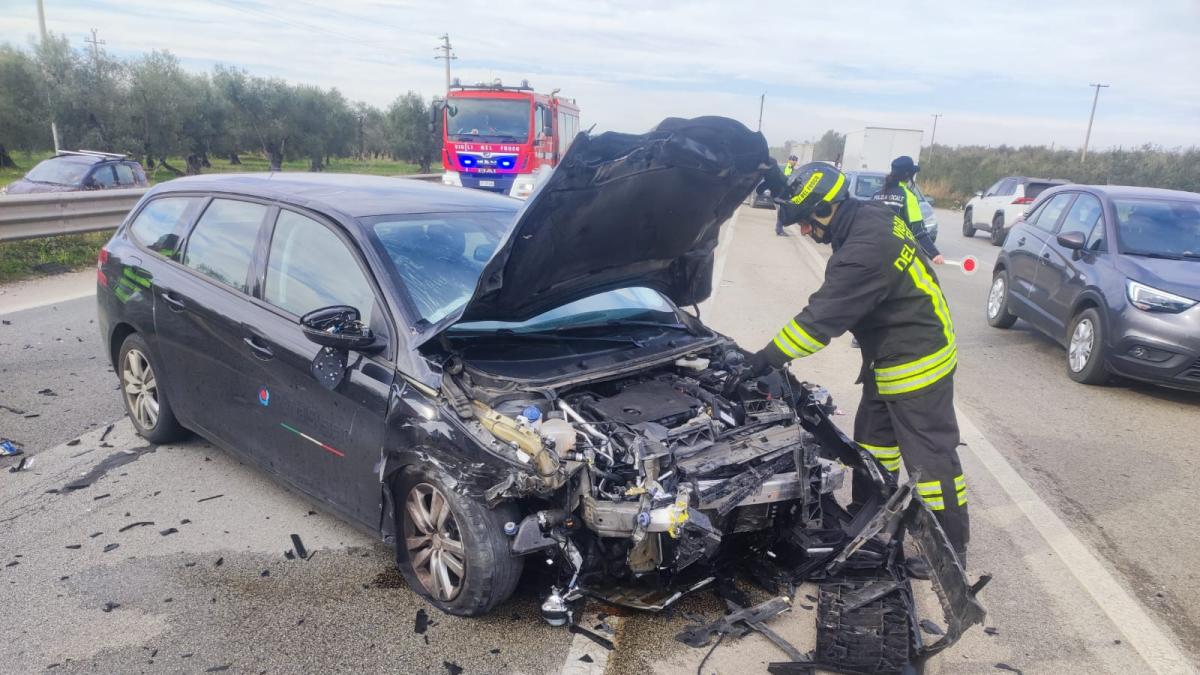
[(111, 547), (104, 466), (21, 465), (1005, 666), (10, 448), (109, 606), (107, 430), (421, 622), (169, 530), (140, 523), (298, 547), (452, 668), (209, 498), (991, 630)]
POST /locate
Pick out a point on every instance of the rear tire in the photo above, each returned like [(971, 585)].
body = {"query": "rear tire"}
[(998, 314), (441, 534), (998, 234), (968, 223), (1087, 354), (142, 393)]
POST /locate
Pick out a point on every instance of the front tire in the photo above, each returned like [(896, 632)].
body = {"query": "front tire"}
[(1086, 351), (145, 399), (968, 223), (998, 314), (451, 549)]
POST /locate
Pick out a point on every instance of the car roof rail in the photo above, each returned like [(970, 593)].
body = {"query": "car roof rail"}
[(92, 153)]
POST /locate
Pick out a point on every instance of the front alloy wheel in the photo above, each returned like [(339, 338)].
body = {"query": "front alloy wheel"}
[(1083, 340), (1086, 353), (998, 314), (141, 389), (434, 543)]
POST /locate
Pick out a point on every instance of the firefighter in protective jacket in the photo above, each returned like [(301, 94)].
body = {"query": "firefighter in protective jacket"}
[(882, 289)]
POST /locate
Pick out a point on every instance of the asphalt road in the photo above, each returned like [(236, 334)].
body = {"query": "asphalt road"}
[(1114, 462)]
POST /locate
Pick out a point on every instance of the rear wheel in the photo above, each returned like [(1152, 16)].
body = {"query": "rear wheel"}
[(145, 400), (451, 549), (968, 223), (998, 234), (1086, 353), (998, 314)]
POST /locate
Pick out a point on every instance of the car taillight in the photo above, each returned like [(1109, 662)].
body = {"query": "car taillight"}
[(1023, 200), (101, 261)]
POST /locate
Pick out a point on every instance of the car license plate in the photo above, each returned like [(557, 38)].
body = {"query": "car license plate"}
[(487, 183)]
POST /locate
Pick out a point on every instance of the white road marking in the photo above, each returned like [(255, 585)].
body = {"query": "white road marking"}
[(1152, 643)]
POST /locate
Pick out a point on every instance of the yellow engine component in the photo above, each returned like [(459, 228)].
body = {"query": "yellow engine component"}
[(508, 430)]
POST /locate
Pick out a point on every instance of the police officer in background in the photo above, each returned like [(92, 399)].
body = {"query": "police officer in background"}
[(880, 287), (787, 172), (900, 198)]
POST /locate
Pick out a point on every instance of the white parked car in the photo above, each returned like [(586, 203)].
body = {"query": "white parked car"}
[(997, 208)]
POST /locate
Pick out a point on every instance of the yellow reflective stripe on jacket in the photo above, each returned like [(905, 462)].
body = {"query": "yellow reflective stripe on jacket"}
[(960, 488), (796, 342), (887, 455), (914, 375), (912, 206), (801, 337)]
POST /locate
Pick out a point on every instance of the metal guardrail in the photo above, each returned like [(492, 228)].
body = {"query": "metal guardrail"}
[(53, 213)]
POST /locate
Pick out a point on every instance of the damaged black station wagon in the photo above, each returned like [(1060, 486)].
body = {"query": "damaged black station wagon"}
[(482, 382)]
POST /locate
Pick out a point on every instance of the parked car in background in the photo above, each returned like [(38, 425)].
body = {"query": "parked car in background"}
[(996, 209), (1112, 273), (73, 171), (762, 200), (865, 184)]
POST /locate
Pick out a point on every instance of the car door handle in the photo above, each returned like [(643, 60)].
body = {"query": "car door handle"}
[(1021, 241), (1046, 255), (261, 351), (173, 303)]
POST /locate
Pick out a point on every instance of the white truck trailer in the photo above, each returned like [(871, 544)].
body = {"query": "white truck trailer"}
[(874, 148)]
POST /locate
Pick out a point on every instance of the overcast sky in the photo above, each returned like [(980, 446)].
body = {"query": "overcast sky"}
[(1012, 72)]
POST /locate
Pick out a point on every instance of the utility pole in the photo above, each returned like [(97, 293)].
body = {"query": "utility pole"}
[(95, 43), (42, 29), (761, 101), (447, 56), (1091, 118), (933, 137)]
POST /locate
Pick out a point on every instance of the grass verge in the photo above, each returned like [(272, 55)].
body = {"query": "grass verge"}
[(30, 257)]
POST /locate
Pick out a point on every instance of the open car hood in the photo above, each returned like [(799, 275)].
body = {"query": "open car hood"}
[(623, 210)]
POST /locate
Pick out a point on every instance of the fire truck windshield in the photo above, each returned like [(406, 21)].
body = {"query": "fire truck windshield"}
[(488, 120)]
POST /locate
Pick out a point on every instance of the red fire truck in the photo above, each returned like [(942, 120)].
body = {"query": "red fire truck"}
[(499, 138)]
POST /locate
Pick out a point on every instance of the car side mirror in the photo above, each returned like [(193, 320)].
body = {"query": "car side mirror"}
[(483, 252), (547, 131), (929, 200), (979, 193), (339, 327), (1072, 240)]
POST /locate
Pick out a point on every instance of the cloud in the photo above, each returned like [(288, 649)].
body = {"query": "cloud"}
[(1013, 72)]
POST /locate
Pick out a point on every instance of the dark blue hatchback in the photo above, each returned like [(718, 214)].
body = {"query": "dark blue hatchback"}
[(1112, 273)]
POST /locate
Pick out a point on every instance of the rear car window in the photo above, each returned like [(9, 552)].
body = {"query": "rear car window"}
[(125, 174), (1032, 190), (1159, 227), (221, 246), (868, 186), (309, 267), (1048, 215), (158, 225), (103, 177)]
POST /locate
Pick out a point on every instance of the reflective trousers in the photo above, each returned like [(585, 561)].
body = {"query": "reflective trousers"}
[(923, 431)]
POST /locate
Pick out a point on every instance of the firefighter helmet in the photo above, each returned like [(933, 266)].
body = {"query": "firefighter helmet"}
[(815, 188)]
